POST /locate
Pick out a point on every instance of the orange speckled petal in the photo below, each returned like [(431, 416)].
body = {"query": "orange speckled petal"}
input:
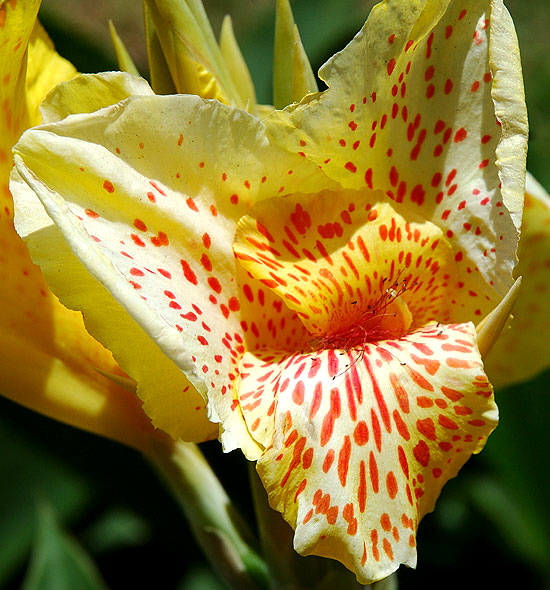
[(344, 259), (522, 351), (360, 442), (409, 111), (147, 194)]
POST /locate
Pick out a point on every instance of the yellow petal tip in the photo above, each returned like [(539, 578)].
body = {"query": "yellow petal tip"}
[(490, 328)]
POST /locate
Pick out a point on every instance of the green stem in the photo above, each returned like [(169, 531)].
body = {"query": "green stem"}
[(218, 528)]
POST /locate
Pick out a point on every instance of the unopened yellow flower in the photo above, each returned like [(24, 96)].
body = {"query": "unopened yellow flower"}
[(315, 277), (49, 361)]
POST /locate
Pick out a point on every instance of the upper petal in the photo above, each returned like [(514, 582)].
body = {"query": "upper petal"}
[(147, 194), (410, 111)]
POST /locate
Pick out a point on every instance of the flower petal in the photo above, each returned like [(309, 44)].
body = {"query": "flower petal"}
[(361, 441), (181, 406), (90, 92), (353, 267), (45, 69), (49, 361), (147, 194), (409, 111), (521, 352)]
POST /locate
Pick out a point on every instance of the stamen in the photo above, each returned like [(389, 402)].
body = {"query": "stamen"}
[(386, 317)]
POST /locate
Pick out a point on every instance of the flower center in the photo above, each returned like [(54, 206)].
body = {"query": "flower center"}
[(387, 317), (354, 266)]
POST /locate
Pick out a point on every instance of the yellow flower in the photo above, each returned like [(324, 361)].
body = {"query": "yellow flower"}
[(49, 361), (316, 277)]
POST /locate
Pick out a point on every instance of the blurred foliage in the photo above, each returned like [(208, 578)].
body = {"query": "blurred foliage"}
[(492, 523)]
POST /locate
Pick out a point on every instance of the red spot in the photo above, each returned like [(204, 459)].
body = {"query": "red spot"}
[(343, 460), (180, 139), (234, 304), (368, 177), (448, 86), (234, 199), (460, 135), (161, 239), (215, 284), (350, 166), (191, 204), (91, 213), (373, 472), (422, 453), (361, 433), (352, 125), (429, 73), (417, 194), (391, 66), (108, 186), (206, 262), (139, 224), (394, 176), (391, 38), (439, 126), (430, 91), (188, 272), (484, 164), (429, 46), (137, 241), (391, 485)]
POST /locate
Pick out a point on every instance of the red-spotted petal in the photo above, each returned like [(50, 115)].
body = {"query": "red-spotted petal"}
[(148, 193), (360, 442), (351, 259), (410, 111)]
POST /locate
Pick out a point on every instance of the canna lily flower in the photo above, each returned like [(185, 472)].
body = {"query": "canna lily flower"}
[(316, 277), (49, 362)]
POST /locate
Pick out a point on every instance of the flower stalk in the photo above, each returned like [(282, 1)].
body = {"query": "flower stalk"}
[(216, 525)]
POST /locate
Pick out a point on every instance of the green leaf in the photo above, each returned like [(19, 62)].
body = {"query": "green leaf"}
[(57, 561), (30, 472)]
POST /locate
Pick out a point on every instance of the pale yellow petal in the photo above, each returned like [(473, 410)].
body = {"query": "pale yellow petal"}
[(90, 92), (522, 350), (148, 193), (45, 69)]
